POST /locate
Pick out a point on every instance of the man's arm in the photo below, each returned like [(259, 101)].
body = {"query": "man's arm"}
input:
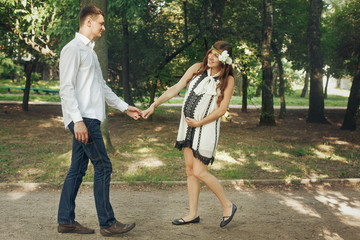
[(114, 101), (69, 66)]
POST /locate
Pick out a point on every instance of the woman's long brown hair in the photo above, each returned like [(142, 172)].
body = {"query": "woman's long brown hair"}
[(226, 70)]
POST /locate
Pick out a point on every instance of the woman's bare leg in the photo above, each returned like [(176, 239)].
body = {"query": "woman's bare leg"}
[(200, 172), (193, 185)]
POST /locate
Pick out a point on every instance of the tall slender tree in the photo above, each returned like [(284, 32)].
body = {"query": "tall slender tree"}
[(102, 53), (316, 98), (352, 110), (277, 54), (126, 60), (267, 109)]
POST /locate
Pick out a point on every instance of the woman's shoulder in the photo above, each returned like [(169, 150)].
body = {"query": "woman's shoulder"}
[(230, 78), (230, 81), (195, 67)]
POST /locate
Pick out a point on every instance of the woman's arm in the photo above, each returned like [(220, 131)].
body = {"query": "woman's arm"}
[(172, 91), (220, 111)]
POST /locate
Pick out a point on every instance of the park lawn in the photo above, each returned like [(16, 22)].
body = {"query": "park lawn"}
[(333, 100), (336, 97), (35, 147)]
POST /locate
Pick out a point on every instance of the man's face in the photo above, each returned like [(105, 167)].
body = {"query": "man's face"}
[(97, 25)]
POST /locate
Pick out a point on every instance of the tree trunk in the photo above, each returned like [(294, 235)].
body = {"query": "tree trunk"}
[(267, 102), (102, 53), (125, 63), (186, 35), (281, 81), (28, 70), (326, 85), (217, 8), (207, 26), (275, 72), (306, 84), (353, 102), (316, 99), (245, 84), (152, 92)]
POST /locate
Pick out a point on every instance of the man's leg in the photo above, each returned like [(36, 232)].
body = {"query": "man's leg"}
[(78, 167), (102, 172), (102, 176)]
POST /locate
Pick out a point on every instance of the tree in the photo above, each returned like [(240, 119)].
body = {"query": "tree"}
[(306, 85), (35, 30), (316, 98), (101, 50), (353, 103), (281, 80), (28, 21), (346, 23), (267, 109)]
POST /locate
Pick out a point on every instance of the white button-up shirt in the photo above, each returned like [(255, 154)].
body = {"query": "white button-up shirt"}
[(83, 90)]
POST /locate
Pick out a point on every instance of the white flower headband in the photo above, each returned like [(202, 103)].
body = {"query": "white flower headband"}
[(224, 56)]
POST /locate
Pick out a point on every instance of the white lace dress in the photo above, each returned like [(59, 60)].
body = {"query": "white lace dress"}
[(200, 100)]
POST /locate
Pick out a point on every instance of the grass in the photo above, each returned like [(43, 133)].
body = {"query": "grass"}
[(35, 147), (17, 95), (336, 97)]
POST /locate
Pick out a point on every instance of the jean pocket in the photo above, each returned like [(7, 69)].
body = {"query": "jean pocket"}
[(93, 150)]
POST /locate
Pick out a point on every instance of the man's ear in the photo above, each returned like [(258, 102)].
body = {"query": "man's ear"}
[(88, 22)]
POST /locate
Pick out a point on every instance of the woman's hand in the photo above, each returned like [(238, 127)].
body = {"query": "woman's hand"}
[(192, 122), (148, 112)]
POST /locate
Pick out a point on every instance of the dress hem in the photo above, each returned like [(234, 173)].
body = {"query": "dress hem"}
[(187, 143)]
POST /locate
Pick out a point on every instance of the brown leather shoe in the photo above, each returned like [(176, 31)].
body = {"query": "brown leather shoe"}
[(117, 229), (74, 228)]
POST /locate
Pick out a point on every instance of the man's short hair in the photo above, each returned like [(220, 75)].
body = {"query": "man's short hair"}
[(89, 11)]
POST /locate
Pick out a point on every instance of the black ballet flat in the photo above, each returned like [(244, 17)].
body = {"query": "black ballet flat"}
[(181, 221), (225, 222)]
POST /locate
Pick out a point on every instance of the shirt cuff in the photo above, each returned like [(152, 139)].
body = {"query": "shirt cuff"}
[(77, 118), (126, 108)]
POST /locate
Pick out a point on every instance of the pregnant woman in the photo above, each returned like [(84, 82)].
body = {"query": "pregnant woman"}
[(210, 85)]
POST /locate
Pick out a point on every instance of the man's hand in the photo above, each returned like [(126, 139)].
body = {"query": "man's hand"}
[(148, 112), (81, 133), (192, 122), (133, 112)]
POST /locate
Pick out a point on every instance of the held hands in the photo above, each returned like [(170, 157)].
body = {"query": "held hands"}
[(148, 112), (133, 112)]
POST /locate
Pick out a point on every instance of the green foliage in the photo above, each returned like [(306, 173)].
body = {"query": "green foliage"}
[(342, 37), (8, 68), (157, 30), (290, 26)]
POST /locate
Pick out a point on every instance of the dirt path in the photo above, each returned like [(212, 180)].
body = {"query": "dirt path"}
[(315, 212)]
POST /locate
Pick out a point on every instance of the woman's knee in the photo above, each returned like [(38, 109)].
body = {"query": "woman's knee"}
[(189, 171), (199, 173)]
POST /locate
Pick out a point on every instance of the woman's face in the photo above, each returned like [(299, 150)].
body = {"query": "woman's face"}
[(213, 59)]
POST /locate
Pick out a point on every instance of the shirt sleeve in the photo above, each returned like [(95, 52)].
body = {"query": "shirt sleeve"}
[(113, 100), (69, 66)]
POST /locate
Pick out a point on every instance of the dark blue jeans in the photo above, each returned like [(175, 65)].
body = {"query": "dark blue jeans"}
[(94, 150)]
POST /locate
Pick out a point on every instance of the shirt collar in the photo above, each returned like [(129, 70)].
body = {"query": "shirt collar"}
[(85, 40)]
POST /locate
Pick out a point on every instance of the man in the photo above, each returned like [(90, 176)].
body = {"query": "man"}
[(83, 94)]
